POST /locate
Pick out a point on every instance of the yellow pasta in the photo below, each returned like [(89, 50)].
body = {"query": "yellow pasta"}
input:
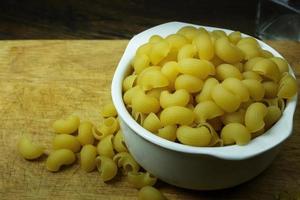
[(155, 92), (190, 83), (271, 89), (146, 81), (141, 179), (250, 63), (255, 88), (225, 99), (266, 54), (170, 70), (119, 143), (155, 39), (254, 116), (252, 75), (268, 69), (144, 49), (187, 51), (205, 94), (248, 40), (150, 193), (227, 51), (109, 110), (239, 66), (196, 67), (224, 71), (236, 87), (105, 147), (58, 158), (272, 116), (106, 167), (65, 141), (204, 46), (66, 126), (282, 65), (129, 82), (234, 117), (145, 104), (177, 115), (287, 87), (30, 150), (88, 155), (199, 136), (249, 50), (176, 41), (152, 123), (234, 37), (129, 94), (140, 62), (108, 126), (125, 161), (168, 132), (138, 116), (235, 133), (179, 98), (188, 32), (206, 110), (159, 51), (218, 34), (85, 133)]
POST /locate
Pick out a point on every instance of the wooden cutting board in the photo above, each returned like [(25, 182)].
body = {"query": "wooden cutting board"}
[(41, 81)]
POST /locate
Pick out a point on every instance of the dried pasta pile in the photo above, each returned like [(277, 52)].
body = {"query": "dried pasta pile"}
[(102, 148), (202, 88)]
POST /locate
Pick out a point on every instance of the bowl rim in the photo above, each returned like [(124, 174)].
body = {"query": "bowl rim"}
[(277, 134)]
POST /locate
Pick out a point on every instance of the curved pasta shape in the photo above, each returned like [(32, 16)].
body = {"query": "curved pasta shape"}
[(145, 104), (140, 62), (108, 126), (215, 139), (266, 54), (170, 70), (105, 147), (204, 46), (234, 117), (282, 64), (267, 68), (85, 133), (119, 142), (176, 41), (152, 123), (235, 133), (138, 116), (271, 89), (177, 115), (187, 51), (249, 50), (225, 71), (188, 32), (168, 132), (234, 37), (287, 87), (155, 39), (239, 66), (125, 161), (188, 82), (199, 136), (272, 116), (250, 63), (65, 141), (150, 193), (58, 158), (196, 67), (146, 81), (66, 126), (227, 51), (216, 123), (248, 40), (205, 94), (206, 110), (254, 116), (106, 167), (179, 98), (278, 102), (88, 155), (218, 34), (141, 179), (129, 82), (225, 99), (159, 51), (109, 110), (252, 75), (237, 87), (255, 88), (29, 150), (144, 49), (155, 92), (129, 94)]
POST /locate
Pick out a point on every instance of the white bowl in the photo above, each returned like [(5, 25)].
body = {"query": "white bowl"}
[(200, 168)]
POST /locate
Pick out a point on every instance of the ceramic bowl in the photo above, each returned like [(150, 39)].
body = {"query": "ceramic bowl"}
[(200, 168)]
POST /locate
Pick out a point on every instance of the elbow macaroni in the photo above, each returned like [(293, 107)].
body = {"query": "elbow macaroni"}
[(29, 150), (141, 179), (66, 126)]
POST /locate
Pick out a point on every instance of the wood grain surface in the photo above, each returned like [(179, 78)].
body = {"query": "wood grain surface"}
[(41, 81)]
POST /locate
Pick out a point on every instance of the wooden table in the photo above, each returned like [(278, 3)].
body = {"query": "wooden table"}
[(41, 81)]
